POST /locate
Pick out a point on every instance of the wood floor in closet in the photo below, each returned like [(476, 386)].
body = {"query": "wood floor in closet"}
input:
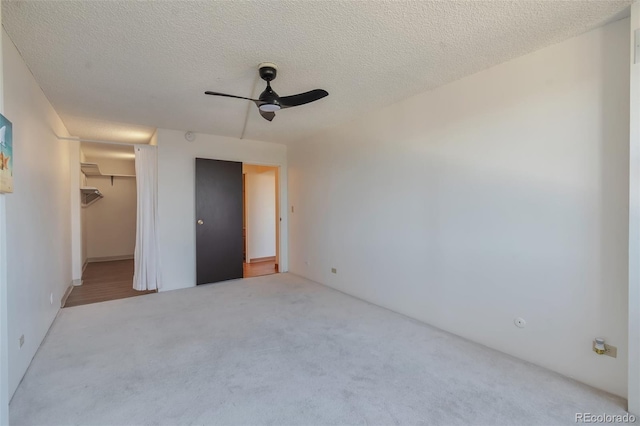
[(103, 281)]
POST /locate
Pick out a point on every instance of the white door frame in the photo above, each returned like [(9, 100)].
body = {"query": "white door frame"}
[(283, 246), (278, 223)]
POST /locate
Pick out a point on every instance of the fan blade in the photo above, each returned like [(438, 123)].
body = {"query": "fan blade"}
[(267, 115), (302, 98), (229, 96)]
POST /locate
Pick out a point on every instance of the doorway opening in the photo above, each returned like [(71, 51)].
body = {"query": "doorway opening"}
[(237, 220), (260, 220), (108, 223)]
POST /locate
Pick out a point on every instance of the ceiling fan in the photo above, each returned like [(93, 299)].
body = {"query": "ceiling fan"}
[(269, 101)]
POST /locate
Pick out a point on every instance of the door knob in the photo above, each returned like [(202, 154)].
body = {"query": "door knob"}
[(200, 221)]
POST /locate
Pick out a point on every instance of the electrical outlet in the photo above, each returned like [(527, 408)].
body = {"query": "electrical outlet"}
[(609, 350), (334, 271), (51, 298), (21, 340)]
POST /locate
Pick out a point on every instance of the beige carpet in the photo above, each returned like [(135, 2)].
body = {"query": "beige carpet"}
[(279, 350)]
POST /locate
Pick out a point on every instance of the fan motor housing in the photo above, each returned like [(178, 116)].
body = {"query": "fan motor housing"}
[(268, 71)]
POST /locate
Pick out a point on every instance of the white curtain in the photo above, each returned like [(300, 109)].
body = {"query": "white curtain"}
[(146, 274)]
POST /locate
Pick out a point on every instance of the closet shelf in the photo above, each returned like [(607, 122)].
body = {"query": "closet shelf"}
[(92, 169), (89, 195)]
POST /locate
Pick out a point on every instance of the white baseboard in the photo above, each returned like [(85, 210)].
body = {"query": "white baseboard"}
[(262, 259), (66, 294), (76, 283), (109, 258), (84, 265)]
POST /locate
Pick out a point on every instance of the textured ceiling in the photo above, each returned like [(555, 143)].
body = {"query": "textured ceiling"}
[(148, 63)]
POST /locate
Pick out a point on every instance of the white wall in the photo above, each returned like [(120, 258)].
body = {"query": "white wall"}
[(4, 330), (634, 219), (38, 213), (176, 195), (111, 221), (260, 190), (498, 196)]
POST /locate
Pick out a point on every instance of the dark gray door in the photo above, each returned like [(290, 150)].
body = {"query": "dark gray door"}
[(218, 220)]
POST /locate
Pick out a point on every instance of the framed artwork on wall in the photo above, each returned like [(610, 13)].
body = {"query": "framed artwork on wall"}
[(6, 155)]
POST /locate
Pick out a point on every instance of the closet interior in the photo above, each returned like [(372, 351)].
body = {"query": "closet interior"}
[(108, 217)]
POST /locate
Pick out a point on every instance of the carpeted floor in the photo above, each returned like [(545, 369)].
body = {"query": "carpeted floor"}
[(279, 350)]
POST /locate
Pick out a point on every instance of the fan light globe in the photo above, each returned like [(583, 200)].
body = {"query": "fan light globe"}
[(269, 107)]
